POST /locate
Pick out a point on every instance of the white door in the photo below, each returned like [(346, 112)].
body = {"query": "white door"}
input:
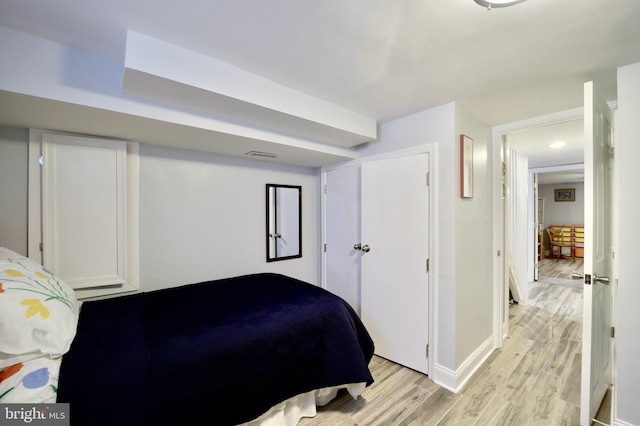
[(342, 228), (596, 338), (84, 210), (395, 280)]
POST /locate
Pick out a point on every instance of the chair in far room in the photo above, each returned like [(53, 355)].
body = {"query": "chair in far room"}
[(560, 237)]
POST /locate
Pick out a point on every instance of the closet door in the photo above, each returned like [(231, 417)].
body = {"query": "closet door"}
[(84, 210), (395, 278), (342, 232)]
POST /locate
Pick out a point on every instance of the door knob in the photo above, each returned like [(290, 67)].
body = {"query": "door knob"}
[(365, 248), (603, 280)]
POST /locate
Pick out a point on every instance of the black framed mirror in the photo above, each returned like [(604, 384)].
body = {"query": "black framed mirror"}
[(284, 222)]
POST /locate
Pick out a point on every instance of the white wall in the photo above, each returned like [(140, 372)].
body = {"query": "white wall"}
[(13, 188), (202, 217), (473, 242), (433, 126), (628, 319), (564, 212)]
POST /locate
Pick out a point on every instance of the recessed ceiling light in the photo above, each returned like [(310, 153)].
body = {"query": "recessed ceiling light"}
[(490, 4), (557, 144)]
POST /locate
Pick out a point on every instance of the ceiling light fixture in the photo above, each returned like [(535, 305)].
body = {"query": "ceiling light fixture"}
[(490, 4), (557, 144)]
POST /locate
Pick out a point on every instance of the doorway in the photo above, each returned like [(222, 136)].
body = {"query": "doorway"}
[(549, 214), (529, 131), (597, 139)]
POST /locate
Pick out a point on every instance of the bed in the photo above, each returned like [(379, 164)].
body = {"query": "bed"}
[(256, 349)]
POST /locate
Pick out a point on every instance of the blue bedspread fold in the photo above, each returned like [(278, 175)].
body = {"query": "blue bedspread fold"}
[(218, 353)]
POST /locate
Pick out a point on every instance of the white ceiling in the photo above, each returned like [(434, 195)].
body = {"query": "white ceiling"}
[(535, 144), (380, 58)]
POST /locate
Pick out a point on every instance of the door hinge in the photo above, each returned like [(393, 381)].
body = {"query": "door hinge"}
[(40, 246), (325, 189), (428, 179), (40, 159), (613, 332), (325, 247), (428, 264), (427, 351)]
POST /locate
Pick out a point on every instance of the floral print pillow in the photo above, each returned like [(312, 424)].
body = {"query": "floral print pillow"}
[(34, 381), (38, 312)]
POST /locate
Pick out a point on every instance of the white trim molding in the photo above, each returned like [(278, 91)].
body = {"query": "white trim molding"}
[(454, 381)]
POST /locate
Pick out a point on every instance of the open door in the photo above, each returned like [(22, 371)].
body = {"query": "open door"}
[(596, 338)]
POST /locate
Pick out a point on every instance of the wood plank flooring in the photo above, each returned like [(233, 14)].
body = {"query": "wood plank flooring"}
[(551, 271), (534, 379)]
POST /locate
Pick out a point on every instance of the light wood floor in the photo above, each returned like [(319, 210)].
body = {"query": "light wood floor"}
[(534, 379), (551, 271)]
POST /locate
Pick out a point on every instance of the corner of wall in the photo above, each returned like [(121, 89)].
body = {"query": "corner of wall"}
[(455, 381)]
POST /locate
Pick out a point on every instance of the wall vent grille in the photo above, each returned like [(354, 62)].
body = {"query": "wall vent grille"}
[(261, 154)]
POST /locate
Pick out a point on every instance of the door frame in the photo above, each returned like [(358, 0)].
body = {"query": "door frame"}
[(432, 150), (500, 291)]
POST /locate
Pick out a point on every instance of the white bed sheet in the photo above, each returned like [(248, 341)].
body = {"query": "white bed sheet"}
[(289, 412)]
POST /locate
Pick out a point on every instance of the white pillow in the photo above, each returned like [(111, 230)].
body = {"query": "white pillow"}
[(34, 381), (38, 312)]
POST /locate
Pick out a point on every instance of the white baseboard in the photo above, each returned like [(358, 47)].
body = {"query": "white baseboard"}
[(454, 381), (618, 422)]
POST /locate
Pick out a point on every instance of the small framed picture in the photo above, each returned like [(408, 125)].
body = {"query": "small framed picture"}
[(564, 194)]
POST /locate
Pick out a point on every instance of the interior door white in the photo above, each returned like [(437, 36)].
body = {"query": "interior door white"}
[(596, 338), (342, 229), (84, 210), (395, 280)]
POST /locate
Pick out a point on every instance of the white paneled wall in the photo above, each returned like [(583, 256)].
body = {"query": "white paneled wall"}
[(516, 223)]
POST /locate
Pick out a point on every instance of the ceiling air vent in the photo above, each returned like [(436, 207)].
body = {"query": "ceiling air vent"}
[(261, 154)]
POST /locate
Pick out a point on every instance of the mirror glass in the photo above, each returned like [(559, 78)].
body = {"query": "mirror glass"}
[(284, 222)]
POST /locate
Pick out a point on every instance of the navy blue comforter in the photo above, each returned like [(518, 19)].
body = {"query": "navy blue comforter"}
[(215, 353)]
